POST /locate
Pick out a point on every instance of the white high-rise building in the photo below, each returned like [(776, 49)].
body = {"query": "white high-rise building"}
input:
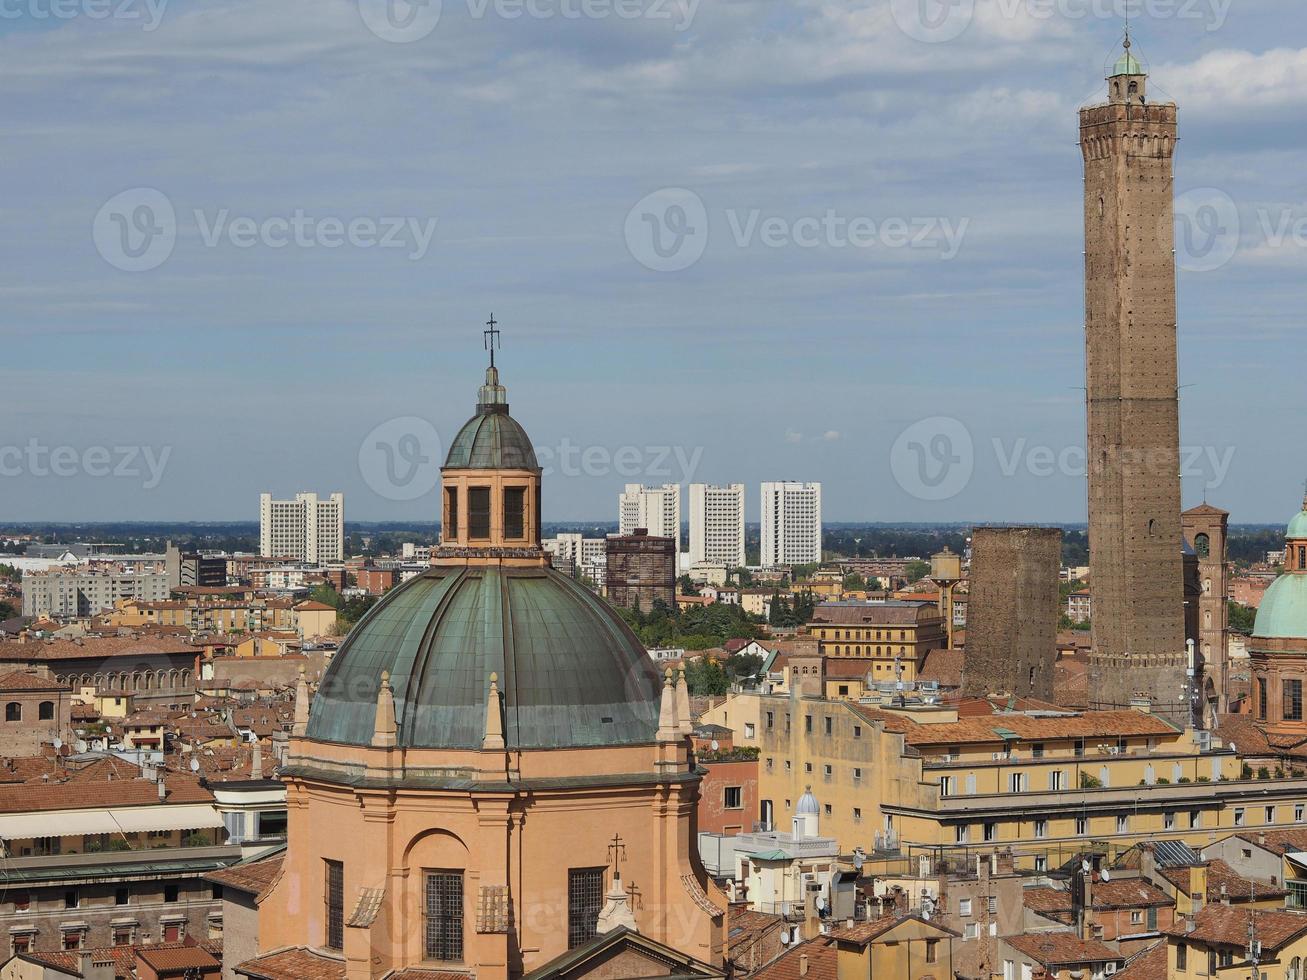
[(717, 524), (791, 523), (656, 509), (309, 528)]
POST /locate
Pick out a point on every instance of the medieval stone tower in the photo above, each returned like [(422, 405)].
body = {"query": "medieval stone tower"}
[(1205, 530), (1135, 564)]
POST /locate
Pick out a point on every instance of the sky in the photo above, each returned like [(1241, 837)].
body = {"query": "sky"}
[(251, 246)]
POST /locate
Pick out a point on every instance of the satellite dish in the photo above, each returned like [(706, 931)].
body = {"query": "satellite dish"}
[(713, 746), (195, 764), (1084, 866), (1106, 876), (58, 743)]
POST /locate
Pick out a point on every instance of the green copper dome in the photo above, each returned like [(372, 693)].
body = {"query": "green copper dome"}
[(1128, 64), (570, 671), (1298, 526), (492, 441), (1283, 611)]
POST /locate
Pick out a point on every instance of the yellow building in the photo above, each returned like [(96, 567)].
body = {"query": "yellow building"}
[(1037, 782), (894, 947), (107, 704), (1217, 944), (893, 635)]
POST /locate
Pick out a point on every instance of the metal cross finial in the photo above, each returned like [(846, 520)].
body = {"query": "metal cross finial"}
[(492, 337), (617, 850)]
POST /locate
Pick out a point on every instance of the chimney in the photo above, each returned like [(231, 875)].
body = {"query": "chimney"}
[(163, 790), (1147, 862), (1225, 895), (803, 964)]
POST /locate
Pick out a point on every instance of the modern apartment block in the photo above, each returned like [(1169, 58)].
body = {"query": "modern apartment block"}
[(791, 523), (87, 591), (717, 524), (309, 528), (656, 509)]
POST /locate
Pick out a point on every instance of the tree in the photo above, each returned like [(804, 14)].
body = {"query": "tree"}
[(916, 570), (686, 587), (1241, 617), (7, 610), (706, 677), (352, 610), (326, 593)]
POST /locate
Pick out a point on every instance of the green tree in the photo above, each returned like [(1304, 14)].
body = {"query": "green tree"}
[(916, 570), (326, 593), (1241, 617), (7, 610), (706, 677)]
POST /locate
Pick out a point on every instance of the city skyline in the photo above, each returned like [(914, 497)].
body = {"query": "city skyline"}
[(1003, 313)]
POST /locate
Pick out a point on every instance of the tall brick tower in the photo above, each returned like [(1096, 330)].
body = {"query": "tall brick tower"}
[(1135, 563)]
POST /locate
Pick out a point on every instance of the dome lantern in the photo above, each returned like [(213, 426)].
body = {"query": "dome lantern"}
[(491, 479)]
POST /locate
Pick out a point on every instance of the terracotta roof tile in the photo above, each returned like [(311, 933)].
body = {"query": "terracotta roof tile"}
[(22, 680), (92, 647), (1062, 948), (1150, 964), (1227, 925), (1090, 724), (251, 877), (296, 963), (821, 954)]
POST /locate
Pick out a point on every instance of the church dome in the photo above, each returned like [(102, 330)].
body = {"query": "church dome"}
[(570, 671), (1283, 610), (491, 441), (1298, 526), (807, 804)]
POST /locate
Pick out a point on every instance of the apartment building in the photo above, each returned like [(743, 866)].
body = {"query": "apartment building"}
[(1039, 781), (656, 509), (309, 528), (791, 523), (77, 874), (717, 525), (85, 591), (892, 635)]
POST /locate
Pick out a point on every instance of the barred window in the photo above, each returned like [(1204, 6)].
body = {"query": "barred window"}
[(585, 900), (444, 916), (478, 513), (1293, 700), (514, 512), (450, 530), (335, 905)]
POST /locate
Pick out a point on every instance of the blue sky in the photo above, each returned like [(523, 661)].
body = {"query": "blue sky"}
[(881, 212)]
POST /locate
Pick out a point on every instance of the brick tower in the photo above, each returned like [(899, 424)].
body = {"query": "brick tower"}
[(1135, 562), (1205, 529)]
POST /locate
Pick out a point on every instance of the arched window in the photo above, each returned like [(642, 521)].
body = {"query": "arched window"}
[(13, 711), (1134, 88), (1202, 545), (45, 711)]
